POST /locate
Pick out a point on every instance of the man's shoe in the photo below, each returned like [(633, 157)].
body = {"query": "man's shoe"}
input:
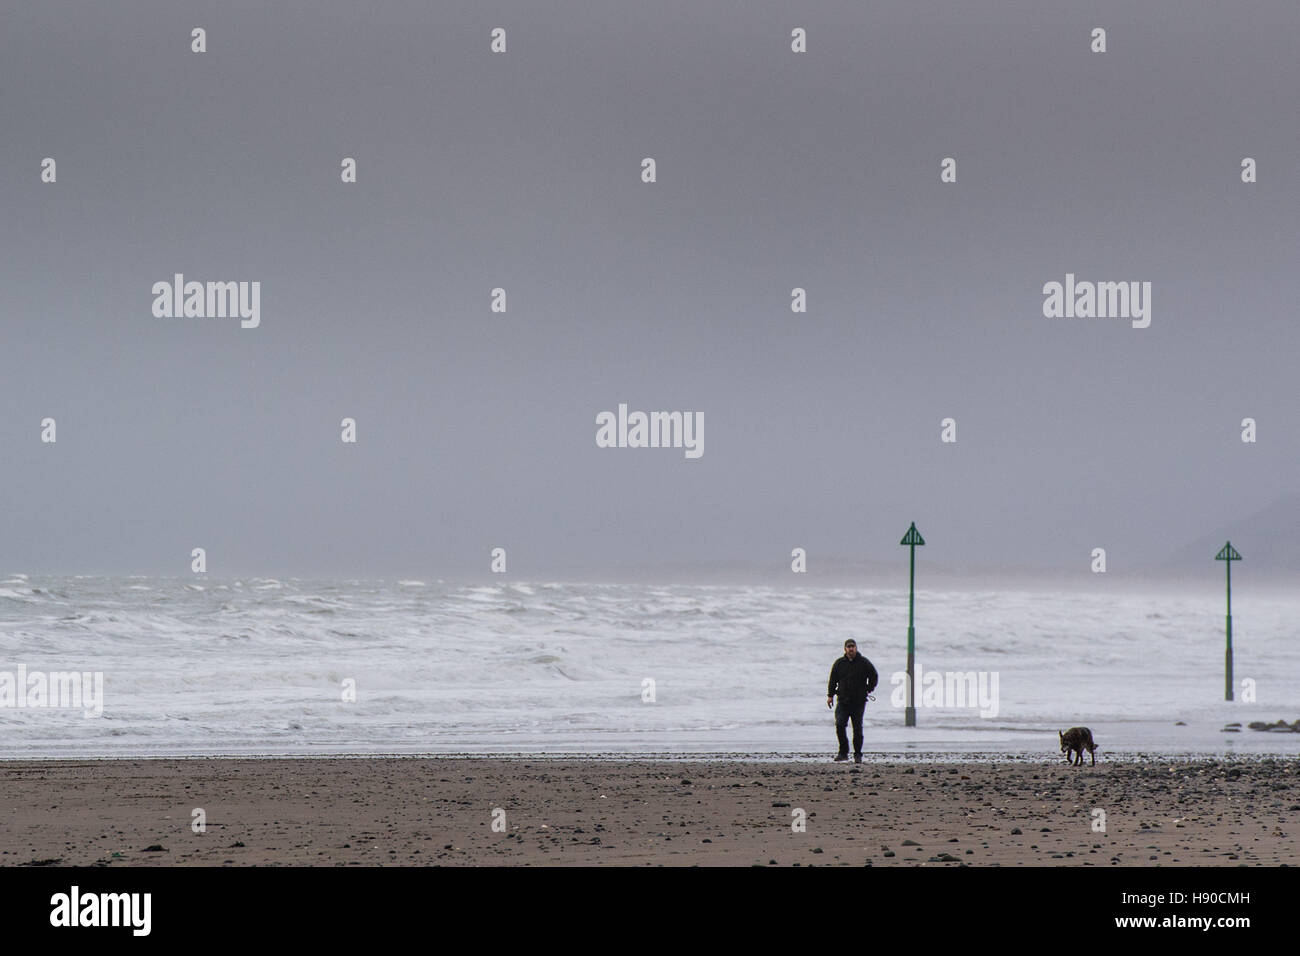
[(840, 757), (857, 758)]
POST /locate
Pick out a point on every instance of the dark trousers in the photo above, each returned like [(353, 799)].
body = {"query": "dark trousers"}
[(844, 710)]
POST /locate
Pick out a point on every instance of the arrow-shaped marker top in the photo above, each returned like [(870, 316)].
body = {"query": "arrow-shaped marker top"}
[(1226, 553)]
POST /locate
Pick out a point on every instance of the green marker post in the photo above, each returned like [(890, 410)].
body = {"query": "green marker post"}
[(912, 539), (1227, 554)]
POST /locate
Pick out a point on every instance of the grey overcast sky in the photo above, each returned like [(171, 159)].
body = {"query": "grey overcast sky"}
[(775, 170)]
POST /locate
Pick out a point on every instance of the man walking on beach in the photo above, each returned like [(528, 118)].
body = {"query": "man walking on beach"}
[(852, 678)]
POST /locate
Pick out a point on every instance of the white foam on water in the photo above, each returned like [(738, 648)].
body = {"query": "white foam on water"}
[(562, 667)]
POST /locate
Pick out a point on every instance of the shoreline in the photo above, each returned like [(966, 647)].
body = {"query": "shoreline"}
[(909, 755), (541, 811), (878, 758)]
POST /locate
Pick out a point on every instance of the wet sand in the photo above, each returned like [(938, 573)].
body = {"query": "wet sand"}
[(439, 811)]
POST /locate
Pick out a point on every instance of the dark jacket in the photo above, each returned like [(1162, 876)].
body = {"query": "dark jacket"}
[(853, 679)]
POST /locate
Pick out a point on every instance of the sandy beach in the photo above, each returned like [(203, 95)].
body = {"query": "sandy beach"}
[(531, 812)]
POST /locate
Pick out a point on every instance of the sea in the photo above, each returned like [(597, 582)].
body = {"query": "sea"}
[(198, 667)]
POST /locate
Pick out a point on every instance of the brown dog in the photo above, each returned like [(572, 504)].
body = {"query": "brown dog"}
[(1077, 740)]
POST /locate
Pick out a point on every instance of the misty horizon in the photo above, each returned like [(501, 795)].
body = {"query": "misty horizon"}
[(522, 171)]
